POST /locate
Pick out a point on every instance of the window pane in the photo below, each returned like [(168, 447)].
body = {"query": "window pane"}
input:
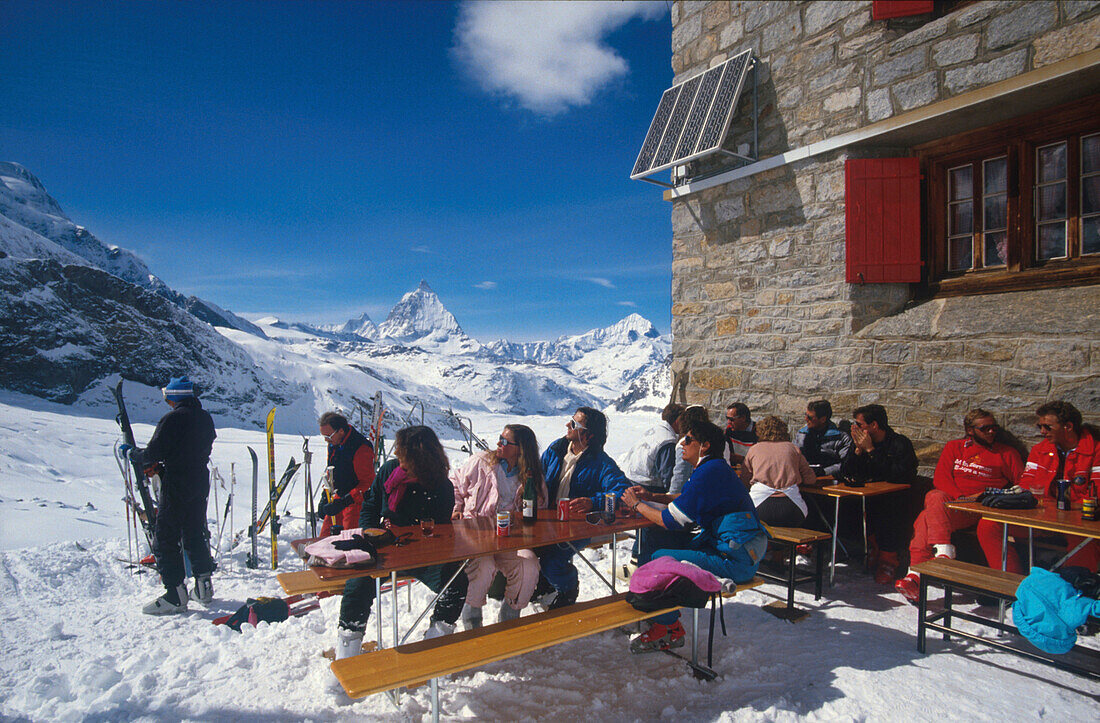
[(996, 212), (996, 249), (1090, 154), (1051, 164), (1052, 202), (996, 175), (961, 252), (1052, 240), (1090, 194), (961, 218), (962, 184), (1090, 235)]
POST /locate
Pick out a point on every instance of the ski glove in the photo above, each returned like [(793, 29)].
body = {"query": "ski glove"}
[(334, 507), (357, 542)]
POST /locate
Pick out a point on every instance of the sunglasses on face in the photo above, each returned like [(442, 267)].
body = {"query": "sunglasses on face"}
[(329, 437), (574, 424), (987, 428), (1045, 427), (732, 419), (688, 439), (502, 442)]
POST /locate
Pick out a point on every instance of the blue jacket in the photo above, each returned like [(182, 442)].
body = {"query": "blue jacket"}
[(594, 474), (827, 449), (1048, 610)]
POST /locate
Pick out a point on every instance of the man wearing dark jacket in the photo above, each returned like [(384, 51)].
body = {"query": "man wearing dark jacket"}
[(880, 454), (577, 469), (181, 446), (351, 457), (823, 445)]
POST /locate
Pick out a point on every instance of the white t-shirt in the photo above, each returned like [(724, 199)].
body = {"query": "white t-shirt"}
[(507, 484)]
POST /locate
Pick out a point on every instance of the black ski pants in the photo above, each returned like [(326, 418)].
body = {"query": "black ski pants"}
[(182, 518), (359, 595)]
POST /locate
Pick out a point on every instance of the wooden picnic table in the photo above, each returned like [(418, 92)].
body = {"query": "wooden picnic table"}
[(828, 487), (1046, 517)]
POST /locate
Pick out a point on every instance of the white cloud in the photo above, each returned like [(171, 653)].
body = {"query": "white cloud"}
[(600, 281), (420, 249), (548, 56), (486, 285), (631, 304)]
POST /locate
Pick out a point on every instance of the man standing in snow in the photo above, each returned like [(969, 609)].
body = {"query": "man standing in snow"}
[(181, 445)]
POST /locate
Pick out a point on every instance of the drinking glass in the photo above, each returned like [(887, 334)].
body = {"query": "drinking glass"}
[(427, 526)]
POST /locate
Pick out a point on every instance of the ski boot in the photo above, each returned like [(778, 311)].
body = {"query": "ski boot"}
[(659, 637), (471, 617), (204, 589), (348, 643), (507, 612), (909, 587), (171, 602), (438, 629)]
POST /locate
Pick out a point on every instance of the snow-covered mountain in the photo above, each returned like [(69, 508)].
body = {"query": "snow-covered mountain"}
[(76, 314)]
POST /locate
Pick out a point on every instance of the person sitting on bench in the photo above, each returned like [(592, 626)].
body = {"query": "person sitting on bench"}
[(1069, 450), (774, 468), (880, 454), (967, 467), (822, 443), (576, 469), (712, 524), (414, 488), (492, 482)]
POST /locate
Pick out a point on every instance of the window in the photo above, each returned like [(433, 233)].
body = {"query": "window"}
[(1015, 205)]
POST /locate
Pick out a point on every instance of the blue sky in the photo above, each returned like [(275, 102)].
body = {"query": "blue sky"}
[(316, 160)]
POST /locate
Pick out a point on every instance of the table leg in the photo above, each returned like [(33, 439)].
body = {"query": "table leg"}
[(435, 700), (431, 604), (1030, 546), (1071, 553), (577, 553), (393, 591), (866, 551), (1004, 566), (695, 636), (378, 612), (836, 534), (614, 561)]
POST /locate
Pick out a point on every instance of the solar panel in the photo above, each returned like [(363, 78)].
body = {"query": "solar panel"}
[(693, 117)]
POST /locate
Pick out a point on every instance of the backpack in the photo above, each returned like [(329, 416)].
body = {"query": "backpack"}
[(256, 610)]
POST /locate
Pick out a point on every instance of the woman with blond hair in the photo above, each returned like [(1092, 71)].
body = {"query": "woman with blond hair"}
[(773, 469), (492, 482)]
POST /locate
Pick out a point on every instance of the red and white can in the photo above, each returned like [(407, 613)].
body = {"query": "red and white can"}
[(563, 510), (504, 521)]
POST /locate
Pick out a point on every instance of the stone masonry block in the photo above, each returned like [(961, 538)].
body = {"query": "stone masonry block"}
[(722, 290), (687, 31), (821, 380), (956, 50), (878, 105), (725, 378), (1027, 383), (727, 326), (1067, 42), (687, 309), (731, 33), (761, 13), (1074, 8), (914, 376), (1025, 20), (909, 63), (1053, 356), (992, 351), (894, 352), (818, 16), (871, 376), (917, 92), (920, 36), (848, 98)]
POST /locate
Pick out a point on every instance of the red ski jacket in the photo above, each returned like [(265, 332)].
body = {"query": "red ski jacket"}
[(1081, 461), (967, 468)]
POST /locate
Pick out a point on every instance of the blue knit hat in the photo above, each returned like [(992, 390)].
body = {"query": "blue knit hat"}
[(178, 388)]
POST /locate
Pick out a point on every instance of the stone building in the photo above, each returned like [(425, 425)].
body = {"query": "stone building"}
[(998, 103)]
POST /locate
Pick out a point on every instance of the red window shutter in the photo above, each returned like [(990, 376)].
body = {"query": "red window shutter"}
[(886, 9), (882, 215)]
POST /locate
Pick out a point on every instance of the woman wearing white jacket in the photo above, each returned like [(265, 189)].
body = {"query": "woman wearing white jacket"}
[(492, 482)]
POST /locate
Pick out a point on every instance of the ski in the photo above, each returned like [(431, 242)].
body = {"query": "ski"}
[(310, 511), (271, 488), (253, 560), (284, 481), (148, 513)]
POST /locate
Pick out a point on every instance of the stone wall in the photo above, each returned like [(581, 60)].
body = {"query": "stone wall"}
[(761, 311)]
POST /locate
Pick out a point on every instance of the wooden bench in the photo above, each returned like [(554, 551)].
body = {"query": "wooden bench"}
[(789, 538), (954, 575), (413, 663), (305, 581)]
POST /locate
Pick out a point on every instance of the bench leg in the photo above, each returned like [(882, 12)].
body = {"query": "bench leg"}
[(614, 561), (791, 550), (819, 554), (435, 700), (393, 589), (922, 608), (378, 612), (836, 527), (947, 595), (695, 636)]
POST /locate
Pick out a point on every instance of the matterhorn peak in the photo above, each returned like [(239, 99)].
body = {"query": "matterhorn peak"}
[(420, 313)]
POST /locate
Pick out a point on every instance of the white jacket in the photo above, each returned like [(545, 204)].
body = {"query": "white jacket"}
[(639, 462)]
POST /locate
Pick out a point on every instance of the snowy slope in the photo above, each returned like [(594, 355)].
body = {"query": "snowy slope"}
[(77, 647)]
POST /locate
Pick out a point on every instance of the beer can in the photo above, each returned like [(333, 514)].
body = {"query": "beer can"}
[(1088, 508), (563, 510), (1063, 494), (609, 508), (504, 521)]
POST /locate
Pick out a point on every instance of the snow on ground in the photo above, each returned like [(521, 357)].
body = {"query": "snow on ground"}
[(78, 648)]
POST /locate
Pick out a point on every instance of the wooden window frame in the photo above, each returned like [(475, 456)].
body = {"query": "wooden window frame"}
[(1018, 140)]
